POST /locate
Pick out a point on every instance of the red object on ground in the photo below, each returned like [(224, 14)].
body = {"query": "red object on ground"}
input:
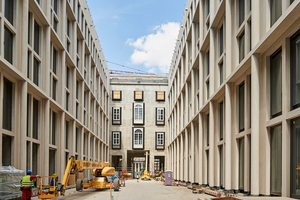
[(26, 193)]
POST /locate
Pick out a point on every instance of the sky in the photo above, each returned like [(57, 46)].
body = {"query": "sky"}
[(139, 34)]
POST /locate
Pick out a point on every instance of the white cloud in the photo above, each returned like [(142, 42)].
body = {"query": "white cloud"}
[(156, 49)]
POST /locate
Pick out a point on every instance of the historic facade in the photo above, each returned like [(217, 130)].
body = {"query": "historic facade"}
[(233, 96)]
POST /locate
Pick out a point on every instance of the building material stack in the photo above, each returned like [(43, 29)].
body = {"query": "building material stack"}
[(10, 182)]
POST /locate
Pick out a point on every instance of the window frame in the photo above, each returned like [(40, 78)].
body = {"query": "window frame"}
[(138, 121), (117, 121), (157, 121), (113, 96), (157, 146), (138, 99), (156, 95), (116, 146), (133, 138)]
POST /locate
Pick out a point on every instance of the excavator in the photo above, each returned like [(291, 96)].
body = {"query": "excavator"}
[(100, 171)]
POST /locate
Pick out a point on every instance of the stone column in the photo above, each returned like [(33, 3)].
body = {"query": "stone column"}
[(192, 172), (186, 151), (23, 126), (255, 124), (61, 145), (200, 143), (227, 137), (211, 145), (181, 157), (177, 154)]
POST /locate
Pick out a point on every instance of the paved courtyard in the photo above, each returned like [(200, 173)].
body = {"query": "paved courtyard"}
[(145, 190)]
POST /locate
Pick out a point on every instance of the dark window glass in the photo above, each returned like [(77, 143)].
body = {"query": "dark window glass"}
[(36, 71), (221, 40), (52, 159), (241, 107), (207, 129), (276, 9), (28, 64), (54, 60), (276, 159), (295, 71), (77, 89), (35, 118), (53, 127), (7, 104), (295, 157), (250, 31), (76, 140), (207, 63), (221, 73), (207, 89), (54, 89), (29, 27), (9, 10), (276, 84), (28, 114), (68, 77), (241, 11), (221, 166), (206, 4), (8, 45), (67, 101), (67, 135), (68, 27), (36, 37), (55, 6), (6, 150), (221, 120), (77, 47), (242, 47), (241, 163)]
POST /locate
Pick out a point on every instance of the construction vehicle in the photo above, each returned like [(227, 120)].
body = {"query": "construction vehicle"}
[(145, 175), (99, 181), (50, 190)]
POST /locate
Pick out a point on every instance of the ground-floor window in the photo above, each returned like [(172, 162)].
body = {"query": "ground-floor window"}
[(276, 160), (295, 157)]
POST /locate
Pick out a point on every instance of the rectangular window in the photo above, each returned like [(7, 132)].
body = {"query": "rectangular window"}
[(68, 77), (221, 73), (116, 95), (9, 10), (36, 37), (7, 104), (221, 120), (241, 11), (52, 159), (29, 27), (276, 160), (55, 6), (67, 135), (36, 67), (221, 40), (160, 96), (241, 163), (207, 129), (160, 141), (221, 167), (76, 140), (295, 71), (68, 27), (116, 140), (54, 60), (35, 119), (53, 128), (160, 116), (138, 138), (276, 84), (276, 10), (28, 114), (28, 64), (77, 89), (207, 90), (207, 63), (206, 6), (67, 100), (55, 24), (138, 109), (8, 44), (116, 115), (241, 107), (138, 95), (54, 89), (241, 47), (295, 157), (6, 150)]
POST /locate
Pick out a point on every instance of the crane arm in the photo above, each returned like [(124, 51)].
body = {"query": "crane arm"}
[(71, 164)]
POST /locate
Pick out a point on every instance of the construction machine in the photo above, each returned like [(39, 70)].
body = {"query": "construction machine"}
[(100, 171)]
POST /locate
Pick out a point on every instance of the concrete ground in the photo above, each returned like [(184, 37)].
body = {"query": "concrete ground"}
[(145, 190)]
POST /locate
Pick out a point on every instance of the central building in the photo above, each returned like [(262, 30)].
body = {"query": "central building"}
[(137, 112)]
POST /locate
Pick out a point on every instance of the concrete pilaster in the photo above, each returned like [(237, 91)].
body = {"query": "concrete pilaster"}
[(192, 172), (255, 124), (201, 152), (45, 137), (186, 152), (228, 134), (177, 154), (181, 157), (23, 125), (211, 145)]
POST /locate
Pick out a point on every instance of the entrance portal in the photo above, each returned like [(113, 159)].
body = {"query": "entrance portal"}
[(136, 160)]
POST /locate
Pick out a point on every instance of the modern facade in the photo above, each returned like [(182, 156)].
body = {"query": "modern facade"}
[(138, 109), (233, 97), (54, 86)]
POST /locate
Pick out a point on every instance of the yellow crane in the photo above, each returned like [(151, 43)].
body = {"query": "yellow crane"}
[(100, 171)]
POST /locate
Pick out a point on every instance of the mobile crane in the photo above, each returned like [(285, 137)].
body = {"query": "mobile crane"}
[(100, 171)]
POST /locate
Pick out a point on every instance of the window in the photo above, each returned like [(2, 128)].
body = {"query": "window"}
[(241, 163), (160, 96), (160, 141), (221, 121), (276, 84), (138, 138), (53, 128), (67, 100), (116, 140), (138, 109), (54, 89), (8, 44), (77, 89), (35, 118), (295, 157), (7, 150), (54, 57), (36, 37), (68, 27), (160, 116), (221, 40), (276, 160), (295, 71), (9, 10), (138, 95), (36, 66), (206, 6), (241, 47), (207, 89), (241, 107), (68, 77), (241, 11), (207, 63), (116, 95), (221, 166), (221, 73), (116, 112), (7, 104), (276, 10), (207, 129), (67, 135), (55, 6), (55, 21)]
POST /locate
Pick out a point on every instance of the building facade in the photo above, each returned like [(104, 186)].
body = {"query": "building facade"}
[(54, 86), (138, 125), (233, 96)]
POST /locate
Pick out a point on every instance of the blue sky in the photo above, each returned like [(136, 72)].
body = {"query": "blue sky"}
[(138, 33)]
